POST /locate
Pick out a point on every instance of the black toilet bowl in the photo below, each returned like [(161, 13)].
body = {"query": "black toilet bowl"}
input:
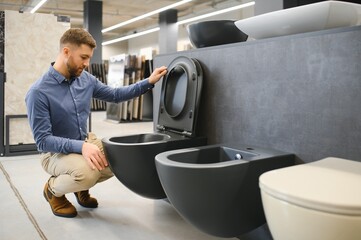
[(131, 158)]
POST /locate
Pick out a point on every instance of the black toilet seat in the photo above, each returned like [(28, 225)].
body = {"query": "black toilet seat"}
[(180, 96)]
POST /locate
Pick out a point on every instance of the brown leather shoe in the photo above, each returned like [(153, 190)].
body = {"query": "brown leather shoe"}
[(85, 200), (59, 205)]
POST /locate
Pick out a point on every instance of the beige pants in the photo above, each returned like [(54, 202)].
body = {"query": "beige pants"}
[(71, 172)]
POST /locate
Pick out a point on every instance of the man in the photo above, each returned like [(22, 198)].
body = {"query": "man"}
[(58, 106)]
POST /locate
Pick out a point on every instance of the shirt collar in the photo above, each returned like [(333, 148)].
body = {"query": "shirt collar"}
[(58, 77)]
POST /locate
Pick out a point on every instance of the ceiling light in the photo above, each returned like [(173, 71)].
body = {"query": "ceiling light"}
[(216, 13), (130, 36), (144, 16), (180, 22), (38, 6)]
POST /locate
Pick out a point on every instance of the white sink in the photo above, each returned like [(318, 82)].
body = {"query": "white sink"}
[(306, 18)]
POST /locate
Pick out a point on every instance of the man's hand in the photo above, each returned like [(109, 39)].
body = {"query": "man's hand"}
[(157, 74), (94, 156)]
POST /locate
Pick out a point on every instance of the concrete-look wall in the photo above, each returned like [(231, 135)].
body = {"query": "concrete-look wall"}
[(298, 94), (114, 49), (31, 44)]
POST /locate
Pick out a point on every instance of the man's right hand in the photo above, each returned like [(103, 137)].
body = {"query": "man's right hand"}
[(94, 156), (157, 74)]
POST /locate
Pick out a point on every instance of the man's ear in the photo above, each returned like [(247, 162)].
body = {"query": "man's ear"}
[(66, 51)]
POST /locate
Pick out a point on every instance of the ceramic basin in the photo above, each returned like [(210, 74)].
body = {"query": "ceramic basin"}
[(306, 18), (213, 33)]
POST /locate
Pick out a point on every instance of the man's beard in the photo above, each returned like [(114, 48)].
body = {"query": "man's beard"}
[(72, 69)]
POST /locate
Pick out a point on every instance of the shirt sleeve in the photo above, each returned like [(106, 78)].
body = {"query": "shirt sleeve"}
[(116, 95), (40, 123)]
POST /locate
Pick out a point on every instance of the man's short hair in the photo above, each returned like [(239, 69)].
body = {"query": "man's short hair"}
[(77, 36)]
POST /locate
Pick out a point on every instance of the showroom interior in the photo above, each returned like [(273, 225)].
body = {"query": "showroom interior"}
[(253, 133)]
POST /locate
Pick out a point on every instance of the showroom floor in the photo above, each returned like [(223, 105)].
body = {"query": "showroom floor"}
[(121, 214)]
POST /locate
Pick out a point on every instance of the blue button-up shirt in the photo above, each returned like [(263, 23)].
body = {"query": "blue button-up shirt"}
[(58, 109)]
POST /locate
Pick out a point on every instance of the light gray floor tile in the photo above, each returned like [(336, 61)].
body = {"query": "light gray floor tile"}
[(14, 221), (121, 214)]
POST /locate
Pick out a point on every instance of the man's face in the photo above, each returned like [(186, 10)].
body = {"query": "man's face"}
[(78, 59)]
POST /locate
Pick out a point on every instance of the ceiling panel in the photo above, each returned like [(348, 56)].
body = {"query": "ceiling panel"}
[(115, 11)]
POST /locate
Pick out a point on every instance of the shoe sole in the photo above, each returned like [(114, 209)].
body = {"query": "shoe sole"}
[(59, 214)]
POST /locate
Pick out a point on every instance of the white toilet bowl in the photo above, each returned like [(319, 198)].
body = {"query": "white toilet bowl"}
[(315, 201)]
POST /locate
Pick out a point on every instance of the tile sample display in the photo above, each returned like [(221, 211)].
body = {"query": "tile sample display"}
[(31, 44)]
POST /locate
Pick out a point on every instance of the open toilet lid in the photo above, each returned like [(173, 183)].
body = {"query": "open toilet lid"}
[(180, 96), (330, 185)]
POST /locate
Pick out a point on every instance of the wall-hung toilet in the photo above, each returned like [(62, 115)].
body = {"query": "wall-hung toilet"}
[(215, 187), (314, 201), (131, 157)]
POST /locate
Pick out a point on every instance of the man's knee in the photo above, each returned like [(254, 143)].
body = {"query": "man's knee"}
[(87, 178)]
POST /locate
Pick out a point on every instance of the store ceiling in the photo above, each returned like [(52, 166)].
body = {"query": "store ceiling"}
[(115, 11)]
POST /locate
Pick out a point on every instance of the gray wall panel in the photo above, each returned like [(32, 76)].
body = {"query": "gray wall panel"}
[(299, 94)]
